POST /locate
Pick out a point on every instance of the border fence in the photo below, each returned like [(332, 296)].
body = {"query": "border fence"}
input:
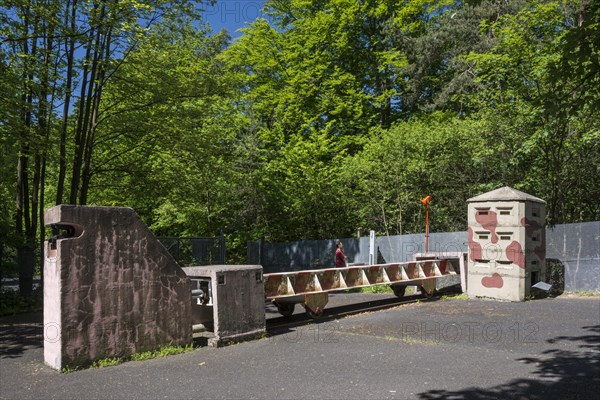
[(571, 249), (574, 247), (194, 251)]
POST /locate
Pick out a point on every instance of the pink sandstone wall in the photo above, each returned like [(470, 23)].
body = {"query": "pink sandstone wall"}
[(110, 290)]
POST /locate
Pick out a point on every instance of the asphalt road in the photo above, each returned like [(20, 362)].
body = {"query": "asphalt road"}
[(436, 349)]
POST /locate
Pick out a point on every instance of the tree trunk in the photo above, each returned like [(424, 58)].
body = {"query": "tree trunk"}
[(44, 124), (81, 127), (87, 174), (70, 50), (23, 223)]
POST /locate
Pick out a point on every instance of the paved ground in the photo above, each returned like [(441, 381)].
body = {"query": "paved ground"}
[(444, 349)]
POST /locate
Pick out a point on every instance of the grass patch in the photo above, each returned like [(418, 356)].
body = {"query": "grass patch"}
[(107, 362), (162, 352), (377, 289), (462, 296), (68, 370), (585, 293)]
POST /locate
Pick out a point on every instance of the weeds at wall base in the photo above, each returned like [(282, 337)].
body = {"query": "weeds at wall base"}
[(146, 355)]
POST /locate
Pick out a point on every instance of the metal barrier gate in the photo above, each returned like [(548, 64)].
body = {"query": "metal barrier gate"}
[(311, 288)]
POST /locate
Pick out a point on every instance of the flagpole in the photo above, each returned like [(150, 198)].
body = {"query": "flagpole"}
[(426, 202), (426, 228)]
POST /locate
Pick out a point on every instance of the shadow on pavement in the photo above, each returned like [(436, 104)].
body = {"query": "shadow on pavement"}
[(19, 333), (560, 374), (285, 325)]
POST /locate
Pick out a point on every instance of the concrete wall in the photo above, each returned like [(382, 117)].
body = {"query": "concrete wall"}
[(110, 289), (238, 301)]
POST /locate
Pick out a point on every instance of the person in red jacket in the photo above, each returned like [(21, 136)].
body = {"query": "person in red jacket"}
[(340, 257)]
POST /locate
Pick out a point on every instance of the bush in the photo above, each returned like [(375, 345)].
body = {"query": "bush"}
[(377, 289), (555, 276), (12, 302)]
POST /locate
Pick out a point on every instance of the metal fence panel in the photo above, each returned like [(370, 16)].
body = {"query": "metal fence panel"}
[(577, 246), (195, 251)]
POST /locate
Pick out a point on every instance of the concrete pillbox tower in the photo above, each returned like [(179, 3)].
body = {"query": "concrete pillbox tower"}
[(507, 246)]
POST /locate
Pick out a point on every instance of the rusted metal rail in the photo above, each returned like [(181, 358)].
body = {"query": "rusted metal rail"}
[(311, 288)]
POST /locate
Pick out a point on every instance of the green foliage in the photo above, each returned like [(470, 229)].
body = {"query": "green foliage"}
[(377, 289), (540, 103), (8, 161), (462, 296), (165, 151), (162, 352), (52, 104), (411, 160), (107, 362), (12, 302), (555, 276)]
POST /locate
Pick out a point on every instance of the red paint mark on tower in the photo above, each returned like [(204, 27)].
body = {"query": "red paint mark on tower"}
[(494, 281), (474, 247), (530, 225), (540, 250), (531, 229), (489, 221), (514, 252)]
